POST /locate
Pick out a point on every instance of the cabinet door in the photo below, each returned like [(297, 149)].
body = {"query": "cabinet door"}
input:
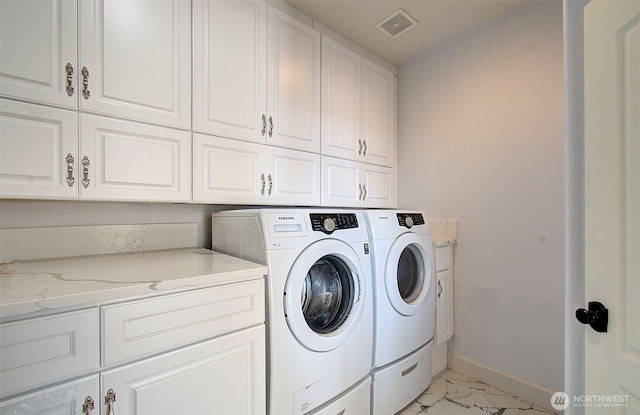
[(228, 171), (341, 184), (444, 306), (379, 186), (226, 375), (65, 399), (378, 115), (38, 151), (132, 161), (293, 177), (293, 83), (229, 92), (341, 72), (138, 57), (38, 40)]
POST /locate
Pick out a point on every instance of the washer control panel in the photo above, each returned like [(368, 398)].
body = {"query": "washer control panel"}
[(410, 219), (330, 222)]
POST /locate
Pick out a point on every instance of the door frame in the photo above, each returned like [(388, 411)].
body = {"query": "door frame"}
[(574, 282)]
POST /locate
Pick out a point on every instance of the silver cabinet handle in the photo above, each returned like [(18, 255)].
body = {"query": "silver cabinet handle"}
[(364, 143), (270, 185), (109, 399), (360, 148), (270, 126), (364, 192), (88, 405), (360, 192), (85, 83), (263, 184), (70, 160), (264, 124), (440, 289), (85, 171), (69, 69)]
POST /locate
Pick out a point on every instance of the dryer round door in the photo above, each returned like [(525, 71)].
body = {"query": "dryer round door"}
[(324, 295), (408, 274)]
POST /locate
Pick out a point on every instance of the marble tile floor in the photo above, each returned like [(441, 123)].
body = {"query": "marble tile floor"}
[(452, 393)]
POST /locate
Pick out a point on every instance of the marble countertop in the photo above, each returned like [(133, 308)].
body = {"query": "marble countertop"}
[(58, 284)]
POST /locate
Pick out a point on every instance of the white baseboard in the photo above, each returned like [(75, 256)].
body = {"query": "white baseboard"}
[(521, 388)]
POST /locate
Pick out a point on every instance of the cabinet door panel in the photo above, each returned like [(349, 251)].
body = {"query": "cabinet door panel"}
[(341, 72), (228, 171), (131, 161), (378, 114), (224, 376), (138, 54), (293, 74), (38, 39), (40, 351), (293, 177), (65, 399), (35, 142), (444, 306), (230, 68), (379, 186), (341, 182)]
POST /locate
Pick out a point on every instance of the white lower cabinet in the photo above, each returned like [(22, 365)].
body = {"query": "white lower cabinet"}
[(230, 171), (218, 377), (444, 302), (354, 184), (70, 398), (195, 352)]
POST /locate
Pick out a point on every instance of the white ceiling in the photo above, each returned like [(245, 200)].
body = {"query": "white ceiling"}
[(438, 21)]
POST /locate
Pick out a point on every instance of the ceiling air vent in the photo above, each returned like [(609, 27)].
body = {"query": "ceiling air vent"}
[(396, 24)]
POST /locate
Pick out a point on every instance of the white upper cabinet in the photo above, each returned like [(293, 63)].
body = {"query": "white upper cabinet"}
[(135, 60), (293, 83), (39, 49), (358, 107), (256, 75), (231, 171), (124, 160), (38, 151), (229, 72)]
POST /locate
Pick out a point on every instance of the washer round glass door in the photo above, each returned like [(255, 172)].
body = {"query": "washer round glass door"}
[(408, 274), (324, 295)]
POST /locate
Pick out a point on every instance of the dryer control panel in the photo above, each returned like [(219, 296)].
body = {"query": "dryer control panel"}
[(330, 222), (410, 219)]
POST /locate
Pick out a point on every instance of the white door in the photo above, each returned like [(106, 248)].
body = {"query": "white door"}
[(378, 115), (137, 56), (612, 206), (225, 375), (379, 186), (125, 160), (341, 93), (38, 151), (293, 177), (293, 83), (38, 44), (79, 396), (229, 93), (341, 185), (228, 171)]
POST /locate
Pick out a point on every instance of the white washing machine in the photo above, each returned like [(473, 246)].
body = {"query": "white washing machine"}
[(319, 299), (404, 307)]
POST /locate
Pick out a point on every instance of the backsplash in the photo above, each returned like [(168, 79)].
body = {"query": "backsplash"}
[(53, 242)]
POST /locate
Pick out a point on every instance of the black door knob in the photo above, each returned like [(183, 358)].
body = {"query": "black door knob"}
[(597, 316)]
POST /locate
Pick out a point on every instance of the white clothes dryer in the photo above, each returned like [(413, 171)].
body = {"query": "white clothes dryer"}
[(319, 299), (404, 307)]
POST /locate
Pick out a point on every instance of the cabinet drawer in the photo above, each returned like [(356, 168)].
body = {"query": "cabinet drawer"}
[(444, 257), (44, 350), (140, 328)]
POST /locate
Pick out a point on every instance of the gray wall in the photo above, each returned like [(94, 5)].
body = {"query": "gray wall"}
[(480, 139)]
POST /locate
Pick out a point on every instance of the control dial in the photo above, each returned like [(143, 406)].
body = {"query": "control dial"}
[(409, 221), (329, 225)]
